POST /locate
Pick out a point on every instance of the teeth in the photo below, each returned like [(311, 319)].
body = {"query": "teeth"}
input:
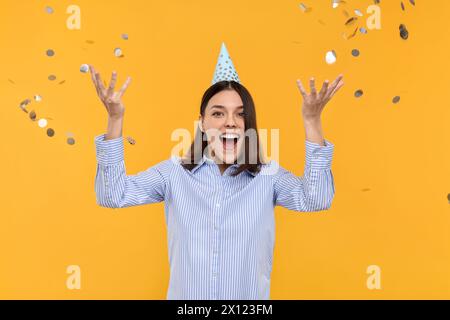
[(229, 136)]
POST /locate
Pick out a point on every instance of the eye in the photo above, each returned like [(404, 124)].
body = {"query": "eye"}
[(216, 113), (242, 114)]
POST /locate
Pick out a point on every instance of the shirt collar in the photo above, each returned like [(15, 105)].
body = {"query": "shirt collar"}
[(205, 160)]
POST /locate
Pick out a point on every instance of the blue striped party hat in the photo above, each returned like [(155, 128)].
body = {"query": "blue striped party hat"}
[(224, 68)]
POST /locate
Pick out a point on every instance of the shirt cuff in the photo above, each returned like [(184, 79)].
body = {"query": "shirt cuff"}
[(108, 151), (318, 156)]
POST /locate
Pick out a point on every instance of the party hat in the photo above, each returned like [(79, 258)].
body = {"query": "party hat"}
[(225, 68)]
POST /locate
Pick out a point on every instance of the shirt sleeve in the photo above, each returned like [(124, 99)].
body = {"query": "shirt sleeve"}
[(115, 189), (314, 191)]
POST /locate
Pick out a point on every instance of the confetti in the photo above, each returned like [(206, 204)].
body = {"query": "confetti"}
[(84, 68), (70, 141), (24, 103), (49, 9), (412, 2), (69, 134), (330, 57), (11, 81), (402, 5), (37, 98), (351, 21), (90, 41), (335, 4), (350, 36), (42, 123), (50, 132), (131, 140), (304, 7), (355, 52), (358, 93), (124, 36), (448, 197), (61, 82), (32, 115), (51, 77), (118, 52), (50, 53), (363, 30), (358, 13), (396, 99), (403, 32)]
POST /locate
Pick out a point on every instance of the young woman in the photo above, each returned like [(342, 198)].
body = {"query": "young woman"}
[(219, 213)]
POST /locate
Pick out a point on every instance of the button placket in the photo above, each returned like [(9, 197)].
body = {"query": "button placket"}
[(216, 229)]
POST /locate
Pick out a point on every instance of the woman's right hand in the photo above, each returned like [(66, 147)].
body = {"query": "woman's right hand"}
[(111, 100)]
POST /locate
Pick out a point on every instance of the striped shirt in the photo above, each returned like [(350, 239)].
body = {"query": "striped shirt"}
[(220, 229)]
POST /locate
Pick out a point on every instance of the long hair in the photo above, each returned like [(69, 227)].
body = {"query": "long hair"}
[(194, 154)]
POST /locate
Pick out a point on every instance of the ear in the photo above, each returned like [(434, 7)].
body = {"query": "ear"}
[(200, 123)]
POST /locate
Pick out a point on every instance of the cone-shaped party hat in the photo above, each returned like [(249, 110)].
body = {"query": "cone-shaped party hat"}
[(225, 68)]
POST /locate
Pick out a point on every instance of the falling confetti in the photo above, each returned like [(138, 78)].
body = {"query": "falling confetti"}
[(363, 30), (90, 41), (304, 8), (330, 57), (50, 132), (131, 140), (402, 5), (24, 103), (412, 2), (50, 52), (448, 197), (42, 123), (358, 93), (37, 98), (118, 52), (70, 141), (51, 77), (351, 21), (355, 52), (403, 32), (11, 81), (49, 10), (61, 82), (32, 115), (124, 36), (84, 68), (396, 99), (358, 13)]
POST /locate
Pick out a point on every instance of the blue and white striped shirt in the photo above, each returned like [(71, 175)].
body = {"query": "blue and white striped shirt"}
[(220, 228)]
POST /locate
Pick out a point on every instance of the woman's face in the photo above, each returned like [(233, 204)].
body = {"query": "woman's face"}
[(224, 114)]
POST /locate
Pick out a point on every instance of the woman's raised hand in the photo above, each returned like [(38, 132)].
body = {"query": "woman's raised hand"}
[(112, 100), (313, 103)]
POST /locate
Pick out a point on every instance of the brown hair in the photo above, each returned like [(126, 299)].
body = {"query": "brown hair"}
[(193, 156)]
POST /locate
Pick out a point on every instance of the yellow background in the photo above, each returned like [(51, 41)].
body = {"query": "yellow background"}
[(400, 152)]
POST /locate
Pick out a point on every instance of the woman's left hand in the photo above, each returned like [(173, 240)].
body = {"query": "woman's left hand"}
[(313, 103)]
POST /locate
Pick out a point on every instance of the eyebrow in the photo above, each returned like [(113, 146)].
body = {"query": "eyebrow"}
[(218, 106)]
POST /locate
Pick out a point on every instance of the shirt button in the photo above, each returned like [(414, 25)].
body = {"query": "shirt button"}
[(217, 205)]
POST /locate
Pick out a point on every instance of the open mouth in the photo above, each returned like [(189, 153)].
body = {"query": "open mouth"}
[(229, 140)]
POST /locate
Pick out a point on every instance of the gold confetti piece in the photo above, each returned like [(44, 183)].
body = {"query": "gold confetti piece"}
[(52, 77), (403, 32), (351, 21), (448, 197), (304, 8), (32, 115), (37, 98), (11, 81), (396, 99), (23, 104), (321, 22), (117, 52), (50, 132), (90, 41), (61, 82), (131, 140), (346, 14), (412, 2)]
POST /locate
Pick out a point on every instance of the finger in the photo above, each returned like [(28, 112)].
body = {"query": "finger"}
[(312, 84), (338, 86), (324, 89), (124, 87), (99, 82), (92, 72), (301, 88), (334, 84), (112, 84)]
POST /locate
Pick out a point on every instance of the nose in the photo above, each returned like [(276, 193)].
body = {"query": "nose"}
[(230, 122)]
